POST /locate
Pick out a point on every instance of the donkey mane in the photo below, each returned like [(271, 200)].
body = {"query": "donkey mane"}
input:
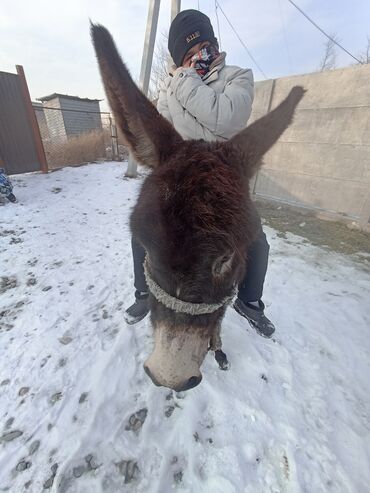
[(202, 197)]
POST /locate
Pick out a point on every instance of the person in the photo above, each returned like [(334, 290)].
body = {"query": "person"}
[(6, 187), (206, 99)]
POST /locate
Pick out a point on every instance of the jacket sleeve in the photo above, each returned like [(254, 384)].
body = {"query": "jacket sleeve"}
[(162, 104), (188, 121), (223, 114)]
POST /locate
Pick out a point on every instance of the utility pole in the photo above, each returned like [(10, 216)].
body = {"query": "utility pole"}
[(175, 8), (150, 34), (146, 63)]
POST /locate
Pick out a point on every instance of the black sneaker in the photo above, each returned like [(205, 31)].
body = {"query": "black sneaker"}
[(255, 317), (11, 197), (137, 311)]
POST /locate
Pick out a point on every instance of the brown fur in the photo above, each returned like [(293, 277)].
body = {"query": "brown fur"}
[(194, 213)]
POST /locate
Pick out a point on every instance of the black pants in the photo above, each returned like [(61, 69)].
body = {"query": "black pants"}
[(251, 287)]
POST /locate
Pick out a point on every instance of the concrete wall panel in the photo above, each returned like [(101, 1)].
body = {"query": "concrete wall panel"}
[(323, 159)]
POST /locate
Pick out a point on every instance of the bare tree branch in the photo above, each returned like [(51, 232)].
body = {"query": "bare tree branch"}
[(159, 67), (365, 55), (329, 58)]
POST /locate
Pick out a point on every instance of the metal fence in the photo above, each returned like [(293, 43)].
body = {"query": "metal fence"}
[(74, 137), (20, 143)]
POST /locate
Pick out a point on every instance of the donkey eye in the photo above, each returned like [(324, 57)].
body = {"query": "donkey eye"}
[(222, 264)]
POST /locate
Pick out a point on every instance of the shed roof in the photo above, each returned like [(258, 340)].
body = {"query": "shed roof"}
[(66, 96)]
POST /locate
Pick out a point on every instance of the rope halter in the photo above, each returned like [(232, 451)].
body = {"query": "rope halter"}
[(180, 306)]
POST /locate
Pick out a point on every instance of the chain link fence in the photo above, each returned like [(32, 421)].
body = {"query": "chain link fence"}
[(74, 137)]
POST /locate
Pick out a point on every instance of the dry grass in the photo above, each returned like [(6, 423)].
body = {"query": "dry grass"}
[(332, 235), (83, 148)]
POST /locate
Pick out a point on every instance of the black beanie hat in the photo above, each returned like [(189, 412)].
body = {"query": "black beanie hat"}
[(188, 28)]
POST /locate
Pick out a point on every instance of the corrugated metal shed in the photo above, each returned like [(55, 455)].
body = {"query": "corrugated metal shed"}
[(75, 116)]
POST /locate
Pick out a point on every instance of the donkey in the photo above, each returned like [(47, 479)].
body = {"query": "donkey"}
[(194, 217)]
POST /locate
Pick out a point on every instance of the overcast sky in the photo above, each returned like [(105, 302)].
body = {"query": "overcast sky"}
[(51, 38)]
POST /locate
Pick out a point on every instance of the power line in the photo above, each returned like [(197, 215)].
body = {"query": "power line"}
[(285, 35), (323, 32), (218, 25), (241, 41)]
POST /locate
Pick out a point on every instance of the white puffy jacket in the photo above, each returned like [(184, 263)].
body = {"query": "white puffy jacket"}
[(215, 108)]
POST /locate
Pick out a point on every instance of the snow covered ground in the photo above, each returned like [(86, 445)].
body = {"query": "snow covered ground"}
[(77, 412)]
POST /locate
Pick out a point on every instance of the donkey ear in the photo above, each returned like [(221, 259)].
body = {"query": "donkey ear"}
[(150, 137), (253, 142)]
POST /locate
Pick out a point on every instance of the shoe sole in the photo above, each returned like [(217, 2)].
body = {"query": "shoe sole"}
[(135, 320), (250, 321)]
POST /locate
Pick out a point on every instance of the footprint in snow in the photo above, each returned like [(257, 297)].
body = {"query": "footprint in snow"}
[(83, 397), (49, 482), (15, 240), (65, 340), (7, 232), (55, 398), (202, 440), (137, 420), (90, 465), (32, 281), (62, 362), (177, 477), (23, 465), (56, 264), (10, 436), (129, 469), (168, 411), (178, 466), (7, 283), (8, 423), (171, 403), (23, 391), (284, 463), (34, 447)]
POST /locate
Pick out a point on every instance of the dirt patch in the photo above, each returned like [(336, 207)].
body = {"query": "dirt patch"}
[(332, 235)]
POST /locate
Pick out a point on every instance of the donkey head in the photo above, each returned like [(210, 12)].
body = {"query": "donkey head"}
[(193, 217)]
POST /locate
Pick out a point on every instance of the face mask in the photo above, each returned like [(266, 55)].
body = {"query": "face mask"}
[(204, 58)]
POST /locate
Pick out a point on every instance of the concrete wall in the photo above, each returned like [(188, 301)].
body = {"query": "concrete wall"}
[(322, 161)]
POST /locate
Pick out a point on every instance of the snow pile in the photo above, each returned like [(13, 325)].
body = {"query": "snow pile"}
[(77, 412)]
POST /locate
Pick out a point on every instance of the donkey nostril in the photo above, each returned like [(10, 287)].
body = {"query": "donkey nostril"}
[(192, 382)]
